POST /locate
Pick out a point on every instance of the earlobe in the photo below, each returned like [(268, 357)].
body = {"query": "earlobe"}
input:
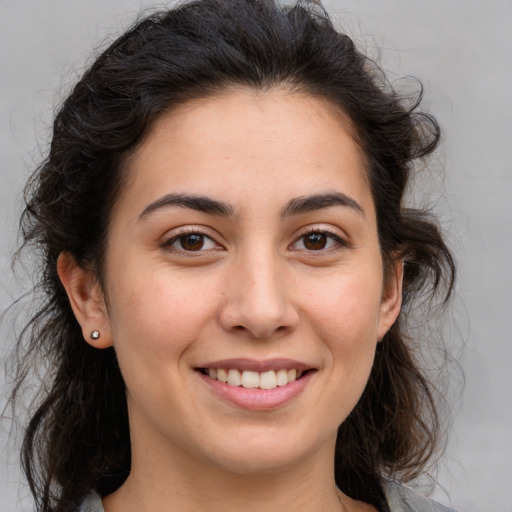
[(392, 299), (86, 299)]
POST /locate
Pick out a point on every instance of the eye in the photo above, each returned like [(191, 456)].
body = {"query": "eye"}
[(191, 242), (318, 241)]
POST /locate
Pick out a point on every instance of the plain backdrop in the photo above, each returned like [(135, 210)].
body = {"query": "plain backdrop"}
[(462, 52)]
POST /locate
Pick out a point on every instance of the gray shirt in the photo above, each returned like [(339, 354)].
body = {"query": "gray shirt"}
[(399, 497)]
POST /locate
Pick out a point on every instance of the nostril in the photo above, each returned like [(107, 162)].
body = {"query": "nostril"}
[(260, 319)]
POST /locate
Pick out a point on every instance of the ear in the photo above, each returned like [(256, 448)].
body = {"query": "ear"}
[(86, 299), (391, 299)]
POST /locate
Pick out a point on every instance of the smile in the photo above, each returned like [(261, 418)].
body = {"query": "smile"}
[(252, 379), (256, 384)]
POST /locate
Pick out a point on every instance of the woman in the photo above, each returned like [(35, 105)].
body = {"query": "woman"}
[(227, 267)]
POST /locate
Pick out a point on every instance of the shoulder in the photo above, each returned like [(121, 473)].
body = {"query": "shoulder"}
[(401, 498), (92, 503)]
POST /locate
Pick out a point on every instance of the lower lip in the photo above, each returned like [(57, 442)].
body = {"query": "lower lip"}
[(256, 398)]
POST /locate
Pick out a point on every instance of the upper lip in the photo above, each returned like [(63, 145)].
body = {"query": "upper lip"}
[(257, 365)]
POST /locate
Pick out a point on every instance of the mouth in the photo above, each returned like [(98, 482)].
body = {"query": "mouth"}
[(257, 385), (250, 379)]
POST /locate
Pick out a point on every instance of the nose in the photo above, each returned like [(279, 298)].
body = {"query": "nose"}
[(259, 299)]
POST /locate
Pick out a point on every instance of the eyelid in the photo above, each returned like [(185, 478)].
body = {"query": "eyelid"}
[(341, 240), (173, 235)]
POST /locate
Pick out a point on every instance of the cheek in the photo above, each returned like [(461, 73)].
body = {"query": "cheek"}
[(346, 312), (343, 316), (155, 314)]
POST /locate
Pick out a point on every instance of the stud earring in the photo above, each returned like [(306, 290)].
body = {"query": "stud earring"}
[(95, 334)]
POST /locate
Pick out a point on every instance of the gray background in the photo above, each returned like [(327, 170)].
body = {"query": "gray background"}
[(462, 51)]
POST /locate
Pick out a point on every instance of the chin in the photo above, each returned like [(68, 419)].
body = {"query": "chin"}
[(260, 455), (250, 464)]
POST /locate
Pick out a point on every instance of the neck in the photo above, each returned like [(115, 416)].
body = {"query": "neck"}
[(181, 483)]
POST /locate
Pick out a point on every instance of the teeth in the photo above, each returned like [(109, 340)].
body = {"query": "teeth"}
[(222, 375), (249, 379), (234, 378), (281, 377), (268, 380)]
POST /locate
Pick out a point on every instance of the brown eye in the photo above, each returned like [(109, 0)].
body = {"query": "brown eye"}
[(318, 241), (192, 242), (315, 241)]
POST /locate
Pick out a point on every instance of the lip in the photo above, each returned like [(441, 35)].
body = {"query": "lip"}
[(257, 399), (258, 366)]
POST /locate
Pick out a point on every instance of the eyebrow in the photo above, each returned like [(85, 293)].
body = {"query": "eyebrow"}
[(296, 206), (199, 203), (318, 202)]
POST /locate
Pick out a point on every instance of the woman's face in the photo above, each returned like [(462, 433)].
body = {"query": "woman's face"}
[(244, 247)]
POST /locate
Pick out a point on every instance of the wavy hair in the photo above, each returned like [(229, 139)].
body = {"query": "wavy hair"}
[(77, 438)]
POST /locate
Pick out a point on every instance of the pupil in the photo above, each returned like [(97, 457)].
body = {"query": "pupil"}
[(192, 242), (316, 241)]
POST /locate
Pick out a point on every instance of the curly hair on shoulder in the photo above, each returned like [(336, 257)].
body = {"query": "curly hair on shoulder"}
[(78, 438)]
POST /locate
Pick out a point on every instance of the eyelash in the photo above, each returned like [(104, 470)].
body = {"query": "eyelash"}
[(336, 241), (180, 237)]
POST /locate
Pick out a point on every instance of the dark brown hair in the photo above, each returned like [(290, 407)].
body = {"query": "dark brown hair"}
[(77, 439)]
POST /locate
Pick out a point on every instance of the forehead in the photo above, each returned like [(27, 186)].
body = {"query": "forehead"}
[(253, 141), (236, 113)]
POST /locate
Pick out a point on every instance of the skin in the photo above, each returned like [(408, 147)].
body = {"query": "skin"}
[(256, 290)]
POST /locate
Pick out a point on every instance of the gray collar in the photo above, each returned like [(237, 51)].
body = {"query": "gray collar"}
[(400, 498)]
